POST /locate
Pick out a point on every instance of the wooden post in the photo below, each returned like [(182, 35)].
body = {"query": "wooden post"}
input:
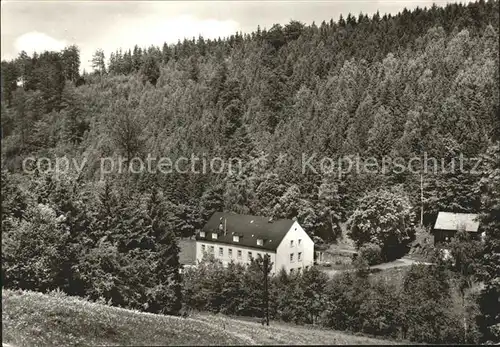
[(266, 290), (465, 315), (421, 200)]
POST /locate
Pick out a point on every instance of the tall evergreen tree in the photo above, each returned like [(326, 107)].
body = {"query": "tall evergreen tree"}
[(490, 221), (99, 62)]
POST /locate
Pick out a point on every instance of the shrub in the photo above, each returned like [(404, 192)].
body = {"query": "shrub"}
[(380, 315), (372, 253), (34, 251), (426, 305)]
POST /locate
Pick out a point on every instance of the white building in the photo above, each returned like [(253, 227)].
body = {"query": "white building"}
[(239, 238)]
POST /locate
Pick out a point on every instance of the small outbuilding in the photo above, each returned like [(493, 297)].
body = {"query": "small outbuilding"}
[(449, 223)]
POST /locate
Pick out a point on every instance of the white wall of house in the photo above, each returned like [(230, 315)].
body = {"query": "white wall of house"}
[(225, 257), (302, 249), (295, 241)]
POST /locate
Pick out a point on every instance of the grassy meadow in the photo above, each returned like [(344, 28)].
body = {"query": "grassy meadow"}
[(36, 319)]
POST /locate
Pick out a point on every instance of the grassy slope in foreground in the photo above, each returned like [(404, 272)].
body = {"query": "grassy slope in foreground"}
[(35, 319)]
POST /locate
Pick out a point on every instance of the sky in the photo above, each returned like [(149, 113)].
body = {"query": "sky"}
[(39, 25)]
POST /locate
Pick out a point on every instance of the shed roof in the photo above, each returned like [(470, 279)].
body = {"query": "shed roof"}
[(248, 228), (456, 221)]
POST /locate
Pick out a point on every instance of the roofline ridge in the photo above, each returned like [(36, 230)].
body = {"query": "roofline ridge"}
[(251, 215)]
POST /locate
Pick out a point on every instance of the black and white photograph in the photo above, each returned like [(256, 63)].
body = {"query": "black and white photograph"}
[(271, 172)]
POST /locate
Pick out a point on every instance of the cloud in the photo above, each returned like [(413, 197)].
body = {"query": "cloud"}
[(39, 42)]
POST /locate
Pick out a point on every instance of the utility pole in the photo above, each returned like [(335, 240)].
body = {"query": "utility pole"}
[(266, 289), (421, 200)]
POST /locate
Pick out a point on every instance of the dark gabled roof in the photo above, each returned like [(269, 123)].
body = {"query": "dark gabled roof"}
[(456, 221), (248, 228)]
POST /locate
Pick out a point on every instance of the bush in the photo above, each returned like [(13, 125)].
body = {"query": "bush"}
[(427, 307), (372, 253), (380, 315), (33, 252)]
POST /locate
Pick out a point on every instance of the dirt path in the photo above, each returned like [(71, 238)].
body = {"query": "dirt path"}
[(393, 264), (284, 333)]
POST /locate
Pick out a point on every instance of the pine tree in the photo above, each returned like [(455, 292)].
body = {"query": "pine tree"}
[(168, 299), (150, 69), (99, 62), (165, 53), (9, 81), (71, 63), (136, 58), (212, 201), (126, 129), (490, 223), (72, 110), (380, 136)]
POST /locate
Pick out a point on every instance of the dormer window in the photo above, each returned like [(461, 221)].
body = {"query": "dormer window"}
[(214, 236), (236, 238), (260, 242), (202, 234)]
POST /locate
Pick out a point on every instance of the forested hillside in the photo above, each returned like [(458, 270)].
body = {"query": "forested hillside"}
[(420, 83)]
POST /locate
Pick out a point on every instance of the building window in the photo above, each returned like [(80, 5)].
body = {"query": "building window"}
[(236, 238), (299, 256), (230, 252), (249, 255), (221, 251), (203, 248), (291, 257), (202, 234), (212, 250), (214, 236), (291, 271), (300, 242), (260, 242), (291, 243), (239, 253)]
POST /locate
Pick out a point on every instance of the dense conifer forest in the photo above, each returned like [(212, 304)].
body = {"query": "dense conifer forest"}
[(420, 83)]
